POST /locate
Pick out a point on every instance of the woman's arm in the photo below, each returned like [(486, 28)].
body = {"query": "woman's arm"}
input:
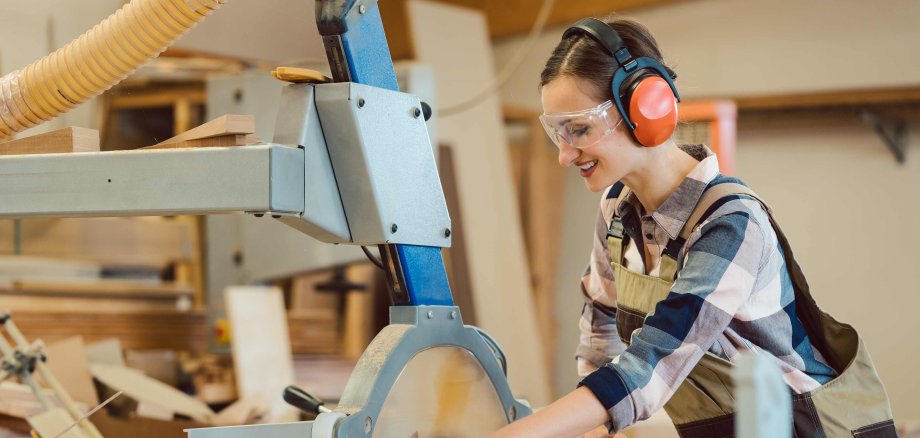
[(721, 267), (575, 414)]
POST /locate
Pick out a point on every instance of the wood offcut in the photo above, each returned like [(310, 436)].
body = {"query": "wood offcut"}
[(226, 125), (70, 139)]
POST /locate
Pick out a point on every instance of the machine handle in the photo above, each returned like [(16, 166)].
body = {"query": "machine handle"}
[(303, 400)]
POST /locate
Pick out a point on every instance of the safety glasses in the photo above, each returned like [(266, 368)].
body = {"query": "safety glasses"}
[(580, 129)]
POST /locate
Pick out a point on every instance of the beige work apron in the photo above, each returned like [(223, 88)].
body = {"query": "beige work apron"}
[(852, 405)]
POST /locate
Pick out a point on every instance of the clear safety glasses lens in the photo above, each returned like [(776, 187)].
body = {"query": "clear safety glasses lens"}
[(582, 128)]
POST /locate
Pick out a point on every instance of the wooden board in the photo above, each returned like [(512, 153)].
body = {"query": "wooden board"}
[(500, 276), (102, 288), (116, 241), (151, 391), (68, 362), (224, 125), (70, 139), (141, 330), (18, 400), (218, 141), (261, 347), (53, 422), (106, 352), (456, 257)]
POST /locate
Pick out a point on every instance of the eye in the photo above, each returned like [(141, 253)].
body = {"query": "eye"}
[(577, 130)]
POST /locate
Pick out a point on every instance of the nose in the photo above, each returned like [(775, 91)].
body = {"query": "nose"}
[(567, 154)]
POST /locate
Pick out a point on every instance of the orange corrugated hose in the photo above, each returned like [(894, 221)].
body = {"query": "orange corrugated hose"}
[(94, 62)]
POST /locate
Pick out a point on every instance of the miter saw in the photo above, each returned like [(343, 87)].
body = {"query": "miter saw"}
[(350, 163)]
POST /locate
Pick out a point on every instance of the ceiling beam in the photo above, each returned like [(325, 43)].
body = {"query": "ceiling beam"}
[(513, 17)]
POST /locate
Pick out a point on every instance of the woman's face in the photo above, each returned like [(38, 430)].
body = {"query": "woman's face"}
[(600, 164)]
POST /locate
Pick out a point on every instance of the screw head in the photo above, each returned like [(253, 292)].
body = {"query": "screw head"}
[(362, 9), (512, 413), (416, 113), (453, 315), (393, 228), (367, 425), (430, 314), (447, 232), (361, 102)]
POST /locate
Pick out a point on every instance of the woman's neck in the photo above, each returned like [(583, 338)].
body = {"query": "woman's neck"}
[(659, 175)]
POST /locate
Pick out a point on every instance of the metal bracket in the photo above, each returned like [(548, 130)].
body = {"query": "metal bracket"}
[(892, 131)]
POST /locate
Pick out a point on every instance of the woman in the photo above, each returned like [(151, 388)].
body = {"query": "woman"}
[(688, 269)]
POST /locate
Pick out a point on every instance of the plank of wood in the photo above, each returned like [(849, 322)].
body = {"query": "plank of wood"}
[(102, 288), (497, 253), (246, 410), (135, 329), (261, 347), (53, 422), (218, 141), (151, 391), (106, 352), (456, 257), (70, 139), (358, 321), (68, 362), (152, 242), (224, 125)]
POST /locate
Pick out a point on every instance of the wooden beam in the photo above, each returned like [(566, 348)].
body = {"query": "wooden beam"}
[(879, 96), (512, 17), (395, 17), (70, 139)]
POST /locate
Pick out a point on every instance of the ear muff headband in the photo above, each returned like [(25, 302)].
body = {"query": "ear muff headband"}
[(628, 71)]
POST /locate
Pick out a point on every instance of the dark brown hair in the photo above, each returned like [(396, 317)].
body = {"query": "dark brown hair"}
[(582, 57)]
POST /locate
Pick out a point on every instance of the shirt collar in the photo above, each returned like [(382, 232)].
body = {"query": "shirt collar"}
[(676, 210)]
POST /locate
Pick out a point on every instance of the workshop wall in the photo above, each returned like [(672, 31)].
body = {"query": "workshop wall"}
[(847, 207)]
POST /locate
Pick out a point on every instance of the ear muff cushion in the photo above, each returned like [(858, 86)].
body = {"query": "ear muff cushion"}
[(653, 109)]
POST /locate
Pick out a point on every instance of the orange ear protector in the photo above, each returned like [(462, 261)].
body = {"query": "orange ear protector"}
[(650, 108)]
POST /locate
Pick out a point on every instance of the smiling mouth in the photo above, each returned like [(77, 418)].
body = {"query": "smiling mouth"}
[(587, 166)]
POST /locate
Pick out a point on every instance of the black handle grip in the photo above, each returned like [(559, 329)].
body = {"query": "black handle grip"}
[(426, 110), (302, 400)]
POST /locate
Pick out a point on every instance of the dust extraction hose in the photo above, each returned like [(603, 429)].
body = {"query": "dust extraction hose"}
[(94, 62)]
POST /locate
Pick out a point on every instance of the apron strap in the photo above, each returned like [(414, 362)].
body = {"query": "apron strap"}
[(616, 237), (807, 309)]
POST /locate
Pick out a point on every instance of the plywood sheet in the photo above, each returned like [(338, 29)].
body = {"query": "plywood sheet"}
[(53, 422), (106, 352), (500, 278), (68, 362), (261, 347), (147, 390), (115, 241)]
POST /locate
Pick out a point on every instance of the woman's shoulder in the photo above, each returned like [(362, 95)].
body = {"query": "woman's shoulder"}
[(742, 209)]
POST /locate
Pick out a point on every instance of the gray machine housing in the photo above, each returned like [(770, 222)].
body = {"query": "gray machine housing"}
[(391, 192)]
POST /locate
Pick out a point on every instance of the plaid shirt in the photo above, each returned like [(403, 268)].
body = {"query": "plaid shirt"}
[(733, 294)]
